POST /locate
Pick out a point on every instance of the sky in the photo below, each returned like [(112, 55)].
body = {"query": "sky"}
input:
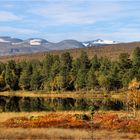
[(82, 20)]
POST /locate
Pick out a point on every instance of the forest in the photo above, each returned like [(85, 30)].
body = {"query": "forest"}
[(90, 95), (63, 73)]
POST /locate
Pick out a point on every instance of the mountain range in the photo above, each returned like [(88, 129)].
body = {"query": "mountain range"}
[(12, 46)]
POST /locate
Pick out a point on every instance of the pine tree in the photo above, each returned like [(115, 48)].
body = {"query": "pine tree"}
[(104, 82), (36, 80), (114, 76), (12, 64), (11, 78), (65, 68), (124, 61), (92, 82), (136, 57), (55, 69), (2, 67), (25, 77), (47, 64), (2, 80), (105, 64), (75, 67), (81, 80), (84, 61), (95, 64)]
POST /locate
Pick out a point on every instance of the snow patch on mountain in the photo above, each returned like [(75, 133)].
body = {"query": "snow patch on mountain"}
[(12, 46), (4, 41), (85, 43), (35, 42), (9, 40), (98, 42)]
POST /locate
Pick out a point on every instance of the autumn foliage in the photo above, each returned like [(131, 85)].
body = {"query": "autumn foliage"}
[(49, 120), (108, 121), (115, 122)]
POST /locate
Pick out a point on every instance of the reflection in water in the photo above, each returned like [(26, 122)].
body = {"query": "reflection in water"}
[(29, 104)]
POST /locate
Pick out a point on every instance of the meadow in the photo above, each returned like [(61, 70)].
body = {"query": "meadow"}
[(71, 96), (68, 124), (61, 132)]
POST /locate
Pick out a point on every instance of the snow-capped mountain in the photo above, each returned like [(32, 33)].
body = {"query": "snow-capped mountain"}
[(3, 40), (7, 39), (98, 42), (12, 46)]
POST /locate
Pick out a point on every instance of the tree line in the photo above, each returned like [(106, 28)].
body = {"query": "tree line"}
[(63, 73)]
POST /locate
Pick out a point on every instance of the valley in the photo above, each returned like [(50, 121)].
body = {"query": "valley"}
[(94, 90), (69, 70)]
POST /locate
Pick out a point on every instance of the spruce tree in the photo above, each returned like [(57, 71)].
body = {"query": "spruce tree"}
[(11, 78), (136, 57), (95, 64), (65, 68), (104, 82), (55, 69), (114, 76), (75, 67), (105, 65), (2, 80), (36, 80), (47, 64), (81, 79), (25, 77), (84, 61), (2, 67), (92, 82), (124, 61)]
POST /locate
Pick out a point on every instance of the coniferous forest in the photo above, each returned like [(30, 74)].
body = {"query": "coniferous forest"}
[(63, 73), (70, 69)]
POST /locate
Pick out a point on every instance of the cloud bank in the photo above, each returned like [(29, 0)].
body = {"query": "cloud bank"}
[(80, 19)]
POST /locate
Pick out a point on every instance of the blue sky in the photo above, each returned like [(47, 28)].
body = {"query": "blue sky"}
[(83, 20)]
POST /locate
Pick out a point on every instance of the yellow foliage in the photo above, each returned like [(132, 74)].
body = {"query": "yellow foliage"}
[(134, 84)]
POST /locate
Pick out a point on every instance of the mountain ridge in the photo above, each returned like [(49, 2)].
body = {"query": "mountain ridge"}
[(14, 46), (109, 51), (99, 42)]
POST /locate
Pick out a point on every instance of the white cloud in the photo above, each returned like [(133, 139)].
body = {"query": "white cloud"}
[(76, 13), (17, 30), (8, 16), (121, 35), (80, 19)]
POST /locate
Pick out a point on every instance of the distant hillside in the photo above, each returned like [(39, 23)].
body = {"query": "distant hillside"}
[(14, 46), (110, 51)]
